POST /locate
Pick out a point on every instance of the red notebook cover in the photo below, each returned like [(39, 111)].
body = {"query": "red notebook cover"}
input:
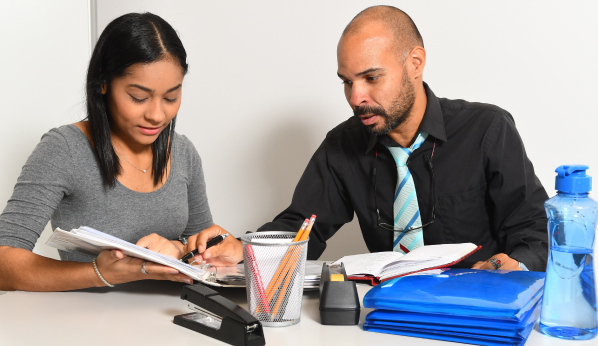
[(372, 280)]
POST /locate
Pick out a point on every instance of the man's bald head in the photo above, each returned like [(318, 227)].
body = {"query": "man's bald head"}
[(398, 23)]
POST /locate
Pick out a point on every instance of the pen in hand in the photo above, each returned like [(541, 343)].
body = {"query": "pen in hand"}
[(214, 241)]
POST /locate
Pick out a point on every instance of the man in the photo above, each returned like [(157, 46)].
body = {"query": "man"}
[(416, 169)]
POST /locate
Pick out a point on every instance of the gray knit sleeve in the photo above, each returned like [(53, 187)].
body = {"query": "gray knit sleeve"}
[(200, 216), (43, 183)]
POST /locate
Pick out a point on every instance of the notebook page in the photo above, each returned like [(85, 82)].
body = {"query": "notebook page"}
[(95, 241), (65, 241), (401, 268), (429, 256), (368, 264), (431, 252), (140, 252)]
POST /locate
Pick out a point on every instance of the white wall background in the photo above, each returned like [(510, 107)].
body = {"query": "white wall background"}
[(262, 89), (44, 51)]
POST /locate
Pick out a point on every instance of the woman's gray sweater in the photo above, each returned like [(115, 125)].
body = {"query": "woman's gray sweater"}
[(61, 182)]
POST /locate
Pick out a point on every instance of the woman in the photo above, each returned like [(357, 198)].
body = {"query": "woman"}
[(124, 171)]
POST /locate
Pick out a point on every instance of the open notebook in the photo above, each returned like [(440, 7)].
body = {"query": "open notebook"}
[(90, 241), (381, 266)]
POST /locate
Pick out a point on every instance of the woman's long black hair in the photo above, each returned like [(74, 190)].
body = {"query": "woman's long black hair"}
[(130, 39)]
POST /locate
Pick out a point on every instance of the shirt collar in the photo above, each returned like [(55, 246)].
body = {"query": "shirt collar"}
[(432, 123)]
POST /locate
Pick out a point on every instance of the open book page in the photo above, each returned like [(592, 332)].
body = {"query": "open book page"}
[(91, 241), (369, 263), (388, 264), (429, 256)]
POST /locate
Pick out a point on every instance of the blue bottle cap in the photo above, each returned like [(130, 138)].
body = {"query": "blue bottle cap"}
[(573, 179)]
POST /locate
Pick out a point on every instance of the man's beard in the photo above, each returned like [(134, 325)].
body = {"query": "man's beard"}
[(399, 110)]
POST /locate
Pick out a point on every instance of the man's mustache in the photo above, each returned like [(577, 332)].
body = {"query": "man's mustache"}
[(370, 110)]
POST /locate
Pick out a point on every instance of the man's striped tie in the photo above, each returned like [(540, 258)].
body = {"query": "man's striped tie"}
[(406, 208)]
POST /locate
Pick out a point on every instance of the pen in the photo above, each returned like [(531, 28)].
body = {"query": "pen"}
[(214, 241)]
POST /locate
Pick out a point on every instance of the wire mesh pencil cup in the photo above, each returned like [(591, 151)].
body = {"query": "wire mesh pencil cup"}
[(274, 273)]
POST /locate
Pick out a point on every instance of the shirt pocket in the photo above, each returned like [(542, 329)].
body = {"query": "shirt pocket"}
[(465, 216)]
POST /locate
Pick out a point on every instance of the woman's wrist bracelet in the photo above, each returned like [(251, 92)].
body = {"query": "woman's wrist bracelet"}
[(95, 266)]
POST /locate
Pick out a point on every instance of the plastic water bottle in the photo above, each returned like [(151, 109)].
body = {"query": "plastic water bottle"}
[(569, 302)]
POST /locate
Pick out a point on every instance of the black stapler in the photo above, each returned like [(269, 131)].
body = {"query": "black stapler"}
[(339, 301), (219, 318)]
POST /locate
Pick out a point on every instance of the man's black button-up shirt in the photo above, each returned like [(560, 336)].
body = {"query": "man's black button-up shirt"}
[(486, 191)]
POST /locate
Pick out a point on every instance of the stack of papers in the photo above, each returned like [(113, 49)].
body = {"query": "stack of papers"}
[(313, 271), (235, 276), (461, 305), (90, 241)]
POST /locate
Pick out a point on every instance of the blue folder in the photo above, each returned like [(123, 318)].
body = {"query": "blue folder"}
[(461, 305), (413, 321), (450, 336), (492, 295)]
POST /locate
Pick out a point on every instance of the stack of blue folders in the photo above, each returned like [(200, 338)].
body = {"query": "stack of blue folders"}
[(471, 306)]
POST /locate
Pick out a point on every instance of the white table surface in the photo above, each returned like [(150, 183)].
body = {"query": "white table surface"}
[(141, 313)]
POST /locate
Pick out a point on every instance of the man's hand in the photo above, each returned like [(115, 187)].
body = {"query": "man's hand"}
[(226, 254), (506, 263)]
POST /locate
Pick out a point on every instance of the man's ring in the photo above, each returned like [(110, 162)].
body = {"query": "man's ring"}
[(143, 268), (495, 262)]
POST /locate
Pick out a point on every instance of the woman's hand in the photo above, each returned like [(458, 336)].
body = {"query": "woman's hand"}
[(159, 244), (226, 254), (506, 263), (117, 268)]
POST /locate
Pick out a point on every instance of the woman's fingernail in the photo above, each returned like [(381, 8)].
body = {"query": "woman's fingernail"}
[(173, 271), (189, 281)]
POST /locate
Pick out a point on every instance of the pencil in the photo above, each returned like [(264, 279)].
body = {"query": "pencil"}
[(303, 227), (276, 279), (288, 276), (290, 268), (290, 260), (284, 264), (308, 229)]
